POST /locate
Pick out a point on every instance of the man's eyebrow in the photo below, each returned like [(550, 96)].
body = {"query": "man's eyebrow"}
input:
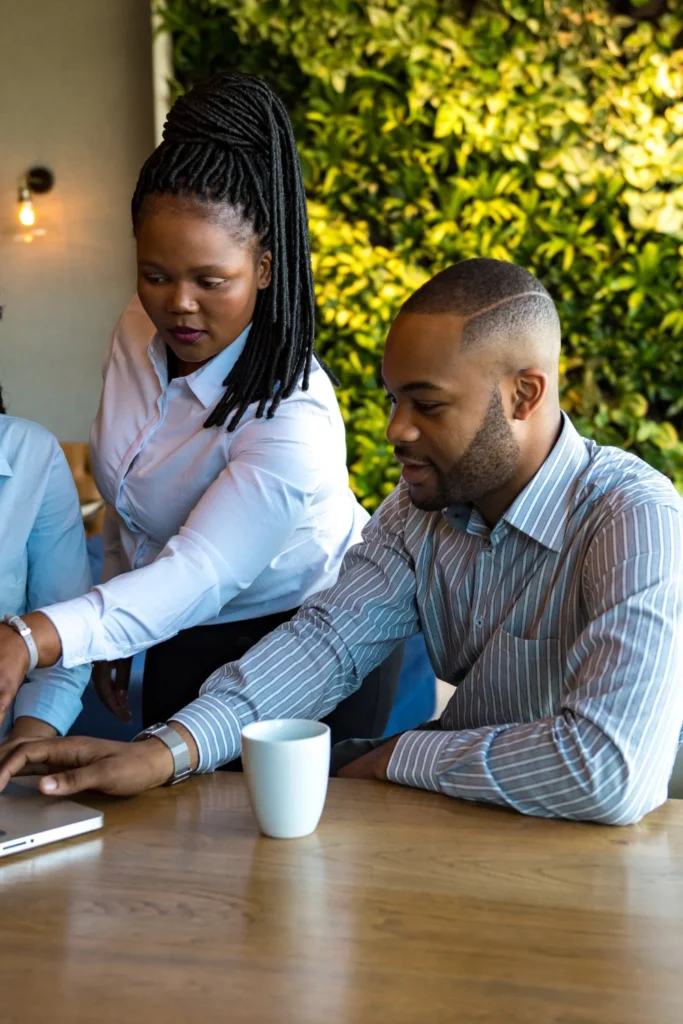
[(421, 385), (413, 385)]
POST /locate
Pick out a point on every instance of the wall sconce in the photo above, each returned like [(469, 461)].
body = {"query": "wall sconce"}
[(37, 180)]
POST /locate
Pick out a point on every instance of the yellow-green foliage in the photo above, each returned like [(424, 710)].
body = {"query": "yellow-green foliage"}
[(544, 132)]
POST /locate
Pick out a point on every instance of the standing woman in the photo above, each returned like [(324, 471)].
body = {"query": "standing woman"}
[(218, 446)]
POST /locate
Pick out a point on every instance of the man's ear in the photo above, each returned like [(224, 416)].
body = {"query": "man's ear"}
[(529, 390)]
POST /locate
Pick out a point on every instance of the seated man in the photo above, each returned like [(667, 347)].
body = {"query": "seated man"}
[(545, 572)]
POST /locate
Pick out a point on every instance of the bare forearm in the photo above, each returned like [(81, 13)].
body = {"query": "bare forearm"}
[(27, 728), (46, 638)]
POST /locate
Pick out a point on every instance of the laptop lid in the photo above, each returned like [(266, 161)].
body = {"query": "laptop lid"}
[(29, 819)]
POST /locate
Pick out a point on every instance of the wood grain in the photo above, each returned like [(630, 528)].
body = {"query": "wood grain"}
[(402, 907)]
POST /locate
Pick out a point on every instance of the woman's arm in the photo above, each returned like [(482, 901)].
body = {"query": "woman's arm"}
[(114, 562), (242, 522)]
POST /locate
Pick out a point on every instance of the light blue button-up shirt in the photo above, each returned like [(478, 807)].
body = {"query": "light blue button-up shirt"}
[(43, 558), (561, 629)]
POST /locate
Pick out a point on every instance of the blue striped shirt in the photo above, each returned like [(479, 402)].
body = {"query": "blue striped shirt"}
[(561, 628)]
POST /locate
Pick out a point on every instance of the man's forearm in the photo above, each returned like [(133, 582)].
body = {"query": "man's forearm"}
[(539, 768), (31, 728)]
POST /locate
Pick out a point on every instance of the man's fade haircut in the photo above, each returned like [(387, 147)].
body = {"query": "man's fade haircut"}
[(498, 301)]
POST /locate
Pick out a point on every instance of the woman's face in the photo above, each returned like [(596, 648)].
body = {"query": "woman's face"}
[(198, 276)]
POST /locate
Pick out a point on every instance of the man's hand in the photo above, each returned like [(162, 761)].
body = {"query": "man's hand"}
[(371, 766), (26, 728), (79, 763), (111, 680), (14, 658)]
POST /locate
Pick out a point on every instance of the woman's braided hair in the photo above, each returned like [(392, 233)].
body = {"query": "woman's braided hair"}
[(230, 141)]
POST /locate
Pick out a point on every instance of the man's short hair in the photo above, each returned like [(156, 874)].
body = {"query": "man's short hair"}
[(497, 300)]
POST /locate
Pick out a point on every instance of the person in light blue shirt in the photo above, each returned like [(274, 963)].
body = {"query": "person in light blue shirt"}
[(43, 559)]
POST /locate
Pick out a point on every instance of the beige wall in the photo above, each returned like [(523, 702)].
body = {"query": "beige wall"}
[(75, 95)]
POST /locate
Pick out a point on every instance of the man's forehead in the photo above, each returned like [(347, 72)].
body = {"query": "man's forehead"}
[(423, 346)]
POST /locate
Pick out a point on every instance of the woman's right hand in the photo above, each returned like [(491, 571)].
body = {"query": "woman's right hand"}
[(111, 680)]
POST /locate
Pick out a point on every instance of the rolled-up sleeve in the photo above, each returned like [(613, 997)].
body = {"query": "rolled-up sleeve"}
[(607, 755), (57, 570)]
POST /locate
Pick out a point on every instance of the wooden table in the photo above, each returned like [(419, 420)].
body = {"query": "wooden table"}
[(402, 907)]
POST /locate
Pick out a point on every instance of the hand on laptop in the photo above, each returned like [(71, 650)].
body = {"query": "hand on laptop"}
[(77, 763)]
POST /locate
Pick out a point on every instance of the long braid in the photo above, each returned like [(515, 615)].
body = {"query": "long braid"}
[(231, 141)]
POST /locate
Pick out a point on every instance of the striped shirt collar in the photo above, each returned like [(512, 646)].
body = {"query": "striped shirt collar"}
[(206, 383), (542, 509)]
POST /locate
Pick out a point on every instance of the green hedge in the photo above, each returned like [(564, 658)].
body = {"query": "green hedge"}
[(544, 132)]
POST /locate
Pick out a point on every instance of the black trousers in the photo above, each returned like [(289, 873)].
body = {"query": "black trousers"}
[(176, 668)]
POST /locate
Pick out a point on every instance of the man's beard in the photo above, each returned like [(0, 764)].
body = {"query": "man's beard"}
[(488, 464)]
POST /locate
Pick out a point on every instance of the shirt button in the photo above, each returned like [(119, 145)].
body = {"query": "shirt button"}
[(487, 549), (479, 623)]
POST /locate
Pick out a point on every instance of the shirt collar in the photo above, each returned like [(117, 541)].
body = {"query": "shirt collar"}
[(542, 509), (544, 506), (206, 383)]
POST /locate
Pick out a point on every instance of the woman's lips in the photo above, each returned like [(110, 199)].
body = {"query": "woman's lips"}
[(186, 335)]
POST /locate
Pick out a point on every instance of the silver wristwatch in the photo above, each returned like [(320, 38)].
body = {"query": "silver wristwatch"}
[(24, 631), (178, 747)]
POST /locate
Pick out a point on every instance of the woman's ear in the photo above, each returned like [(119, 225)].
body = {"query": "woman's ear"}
[(264, 271)]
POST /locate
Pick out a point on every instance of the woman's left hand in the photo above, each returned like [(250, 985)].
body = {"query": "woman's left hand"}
[(14, 657), (14, 662)]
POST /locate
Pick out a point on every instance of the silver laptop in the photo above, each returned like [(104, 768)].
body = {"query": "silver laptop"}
[(28, 819)]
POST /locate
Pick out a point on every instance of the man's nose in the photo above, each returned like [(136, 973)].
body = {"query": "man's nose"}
[(401, 429)]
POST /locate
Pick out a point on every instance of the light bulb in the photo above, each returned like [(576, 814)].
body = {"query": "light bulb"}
[(27, 215)]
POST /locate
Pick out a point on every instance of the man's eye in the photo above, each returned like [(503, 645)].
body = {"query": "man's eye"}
[(154, 278), (428, 407)]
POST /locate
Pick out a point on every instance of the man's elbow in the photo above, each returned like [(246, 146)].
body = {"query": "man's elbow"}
[(626, 803)]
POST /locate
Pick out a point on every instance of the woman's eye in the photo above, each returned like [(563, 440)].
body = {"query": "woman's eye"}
[(211, 282)]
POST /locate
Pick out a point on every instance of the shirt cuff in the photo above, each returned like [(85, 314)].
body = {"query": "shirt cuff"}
[(50, 703), (215, 729), (78, 625), (415, 760)]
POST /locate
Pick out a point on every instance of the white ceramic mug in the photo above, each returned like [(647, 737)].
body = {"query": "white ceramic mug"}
[(286, 765)]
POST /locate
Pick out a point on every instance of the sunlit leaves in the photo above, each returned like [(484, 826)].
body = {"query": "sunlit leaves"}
[(548, 132)]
